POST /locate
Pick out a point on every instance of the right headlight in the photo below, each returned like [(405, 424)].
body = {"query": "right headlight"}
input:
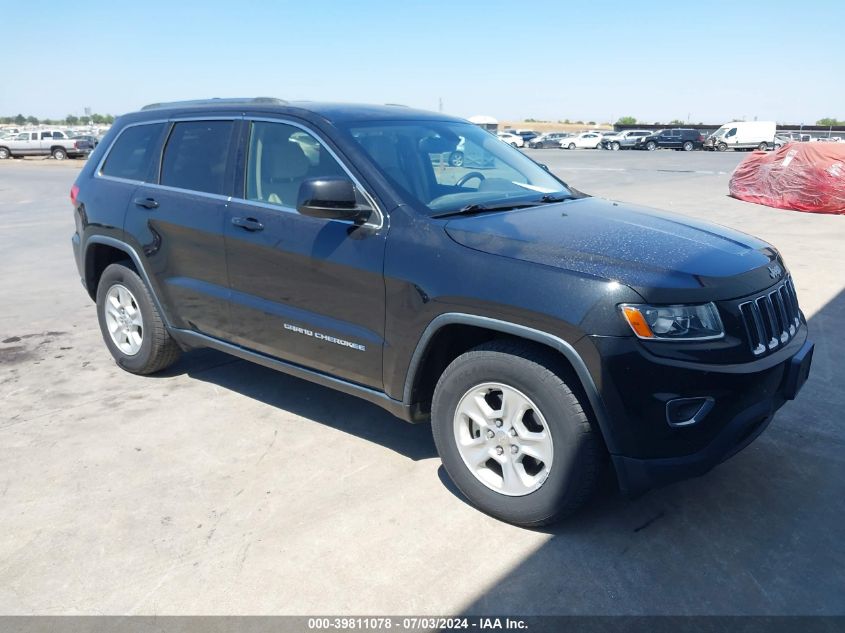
[(674, 323)]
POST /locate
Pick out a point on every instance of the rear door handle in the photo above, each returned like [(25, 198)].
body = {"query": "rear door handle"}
[(147, 203), (250, 224)]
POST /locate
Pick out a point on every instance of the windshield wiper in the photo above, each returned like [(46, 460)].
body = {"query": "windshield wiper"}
[(553, 198), (471, 209)]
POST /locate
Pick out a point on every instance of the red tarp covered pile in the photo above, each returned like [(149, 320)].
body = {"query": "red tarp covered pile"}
[(799, 176)]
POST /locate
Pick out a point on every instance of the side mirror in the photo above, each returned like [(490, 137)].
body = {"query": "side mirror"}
[(330, 199)]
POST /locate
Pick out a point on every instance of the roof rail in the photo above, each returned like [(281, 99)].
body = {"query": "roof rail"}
[(215, 101)]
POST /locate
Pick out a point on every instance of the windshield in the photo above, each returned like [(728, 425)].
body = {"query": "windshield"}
[(721, 131), (446, 166)]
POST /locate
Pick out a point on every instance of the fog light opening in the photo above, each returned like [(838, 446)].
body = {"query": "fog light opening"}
[(688, 411)]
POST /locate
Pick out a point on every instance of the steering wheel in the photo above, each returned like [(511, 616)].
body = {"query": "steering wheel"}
[(467, 177)]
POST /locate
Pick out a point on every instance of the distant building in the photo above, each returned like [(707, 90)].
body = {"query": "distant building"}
[(487, 122)]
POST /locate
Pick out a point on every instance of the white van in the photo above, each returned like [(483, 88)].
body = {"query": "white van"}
[(742, 135)]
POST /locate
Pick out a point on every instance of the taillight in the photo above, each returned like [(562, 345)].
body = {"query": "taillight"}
[(74, 192)]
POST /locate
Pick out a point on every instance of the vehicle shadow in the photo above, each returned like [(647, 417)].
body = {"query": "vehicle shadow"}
[(308, 400), (760, 534)]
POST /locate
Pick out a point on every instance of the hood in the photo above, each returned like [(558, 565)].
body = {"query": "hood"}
[(664, 257)]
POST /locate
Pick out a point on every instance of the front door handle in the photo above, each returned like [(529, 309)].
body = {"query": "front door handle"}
[(250, 224), (147, 203)]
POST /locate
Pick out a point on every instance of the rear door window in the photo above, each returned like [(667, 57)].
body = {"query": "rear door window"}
[(196, 156), (133, 155)]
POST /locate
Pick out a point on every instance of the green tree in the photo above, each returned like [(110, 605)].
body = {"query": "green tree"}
[(32, 120), (71, 119), (85, 120), (98, 119), (109, 119), (20, 120), (627, 120), (676, 122), (828, 121), (591, 122)]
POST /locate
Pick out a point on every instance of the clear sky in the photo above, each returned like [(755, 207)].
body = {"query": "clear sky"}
[(599, 60)]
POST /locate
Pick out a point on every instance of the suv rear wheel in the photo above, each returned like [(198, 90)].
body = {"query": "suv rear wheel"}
[(688, 146), (513, 436), (130, 323)]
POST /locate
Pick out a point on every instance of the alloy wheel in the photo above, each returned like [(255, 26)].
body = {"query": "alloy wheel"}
[(123, 320), (503, 439)]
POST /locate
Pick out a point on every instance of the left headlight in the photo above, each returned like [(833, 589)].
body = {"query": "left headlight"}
[(674, 323)]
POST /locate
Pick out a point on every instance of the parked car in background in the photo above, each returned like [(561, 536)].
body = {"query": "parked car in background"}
[(527, 135), (549, 140), (742, 135), (86, 137), (511, 139), (677, 138), (625, 139), (584, 140), (53, 143), (603, 134)]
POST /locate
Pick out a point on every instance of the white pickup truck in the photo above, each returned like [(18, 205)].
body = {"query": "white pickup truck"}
[(53, 143)]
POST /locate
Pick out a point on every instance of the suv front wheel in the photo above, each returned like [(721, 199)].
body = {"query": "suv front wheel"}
[(131, 324), (512, 434)]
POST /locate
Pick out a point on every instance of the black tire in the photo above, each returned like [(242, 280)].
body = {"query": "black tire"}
[(578, 449), (5, 153), (59, 153), (688, 146), (721, 147), (571, 146), (651, 146), (615, 146), (158, 350), (763, 146)]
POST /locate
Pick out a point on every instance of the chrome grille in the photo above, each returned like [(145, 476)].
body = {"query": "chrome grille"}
[(771, 319)]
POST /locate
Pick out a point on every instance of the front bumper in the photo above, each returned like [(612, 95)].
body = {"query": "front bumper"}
[(646, 450)]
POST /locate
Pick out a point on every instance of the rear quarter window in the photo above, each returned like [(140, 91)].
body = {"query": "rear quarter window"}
[(133, 154), (196, 155)]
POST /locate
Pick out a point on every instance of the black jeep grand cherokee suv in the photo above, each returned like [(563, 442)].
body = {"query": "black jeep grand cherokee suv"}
[(677, 138), (538, 328)]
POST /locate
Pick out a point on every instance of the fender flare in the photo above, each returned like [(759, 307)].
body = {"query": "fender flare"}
[(520, 331), (136, 259)]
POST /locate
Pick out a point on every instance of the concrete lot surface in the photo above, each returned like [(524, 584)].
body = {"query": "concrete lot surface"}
[(222, 487)]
